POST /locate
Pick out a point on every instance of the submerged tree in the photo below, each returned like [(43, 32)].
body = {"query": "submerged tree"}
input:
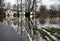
[(28, 6)]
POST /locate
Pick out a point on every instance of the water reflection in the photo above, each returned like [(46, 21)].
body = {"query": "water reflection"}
[(14, 24)]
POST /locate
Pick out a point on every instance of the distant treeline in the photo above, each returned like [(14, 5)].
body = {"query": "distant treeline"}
[(52, 12)]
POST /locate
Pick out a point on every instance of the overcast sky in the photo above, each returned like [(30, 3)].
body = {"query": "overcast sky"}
[(11, 1), (47, 3)]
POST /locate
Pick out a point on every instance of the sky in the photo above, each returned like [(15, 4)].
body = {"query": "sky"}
[(11, 1), (47, 3)]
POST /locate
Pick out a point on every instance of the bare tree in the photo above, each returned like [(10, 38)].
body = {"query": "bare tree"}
[(2, 13), (29, 6), (9, 5), (58, 13), (53, 12), (15, 7)]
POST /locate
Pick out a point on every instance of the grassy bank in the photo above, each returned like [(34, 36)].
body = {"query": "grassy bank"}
[(55, 29)]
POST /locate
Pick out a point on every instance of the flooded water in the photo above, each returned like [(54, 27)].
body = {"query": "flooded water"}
[(48, 24), (14, 24)]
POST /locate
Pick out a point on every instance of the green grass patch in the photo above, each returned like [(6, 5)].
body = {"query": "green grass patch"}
[(55, 29)]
